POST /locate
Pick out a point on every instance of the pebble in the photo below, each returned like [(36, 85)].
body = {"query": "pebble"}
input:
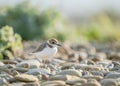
[(57, 61), (74, 81), (67, 65), (99, 57), (116, 63), (77, 84), (9, 62), (54, 83), (113, 75), (88, 66), (1, 63), (91, 84), (3, 82), (109, 82), (26, 78), (114, 56), (32, 63), (115, 69), (82, 55), (21, 69), (97, 73), (70, 72), (98, 78), (63, 77), (16, 84), (38, 71), (31, 84)]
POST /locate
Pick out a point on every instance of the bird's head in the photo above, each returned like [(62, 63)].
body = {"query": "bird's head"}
[(53, 42)]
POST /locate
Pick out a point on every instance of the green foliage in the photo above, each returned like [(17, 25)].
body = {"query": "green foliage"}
[(100, 29), (31, 24), (9, 42), (27, 21), (93, 33)]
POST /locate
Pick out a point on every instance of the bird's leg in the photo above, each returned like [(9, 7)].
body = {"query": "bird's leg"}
[(43, 65), (46, 63), (41, 62)]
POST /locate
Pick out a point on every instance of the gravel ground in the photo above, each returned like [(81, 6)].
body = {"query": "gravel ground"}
[(90, 64)]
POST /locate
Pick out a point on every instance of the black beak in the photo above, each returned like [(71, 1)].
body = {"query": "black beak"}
[(58, 44)]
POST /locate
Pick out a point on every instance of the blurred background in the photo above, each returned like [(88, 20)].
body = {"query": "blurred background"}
[(67, 20), (23, 23)]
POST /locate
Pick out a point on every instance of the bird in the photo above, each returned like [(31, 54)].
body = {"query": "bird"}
[(47, 50)]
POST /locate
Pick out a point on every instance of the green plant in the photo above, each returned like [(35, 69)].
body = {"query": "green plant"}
[(10, 43), (27, 21), (31, 24)]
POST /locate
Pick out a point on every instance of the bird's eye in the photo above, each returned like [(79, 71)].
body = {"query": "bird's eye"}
[(53, 42)]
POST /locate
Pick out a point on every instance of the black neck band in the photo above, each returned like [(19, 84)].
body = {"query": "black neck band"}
[(49, 45)]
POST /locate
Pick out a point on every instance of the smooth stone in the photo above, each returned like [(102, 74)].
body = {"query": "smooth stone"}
[(3, 82), (74, 81), (70, 72), (91, 80), (86, 73), (16, 84), (119, 69), (91, 84), (114, 56), (73, 57), (21, 69), (31, 84), (32, 63), (9, 61), (116, 63), (82, 55), (90, 62), (26, 78), (38, 71), (92, 68), (9, 66), (77, 84), (88, 67), (98, 78), (1, 63), (6, 76), (67, 65), (63, 77), (105, 63), (56, 82), (52, 85), (116, 68), (57, 61), (80, 66), (109, 82), (97, 73), (11, 80), (99, 57), (91, 50), (113, 75), (45, 77)]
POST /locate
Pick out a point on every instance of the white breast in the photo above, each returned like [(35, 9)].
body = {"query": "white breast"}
[(46, 53)]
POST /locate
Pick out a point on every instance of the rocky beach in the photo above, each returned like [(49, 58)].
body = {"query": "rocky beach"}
[(90, 64)]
